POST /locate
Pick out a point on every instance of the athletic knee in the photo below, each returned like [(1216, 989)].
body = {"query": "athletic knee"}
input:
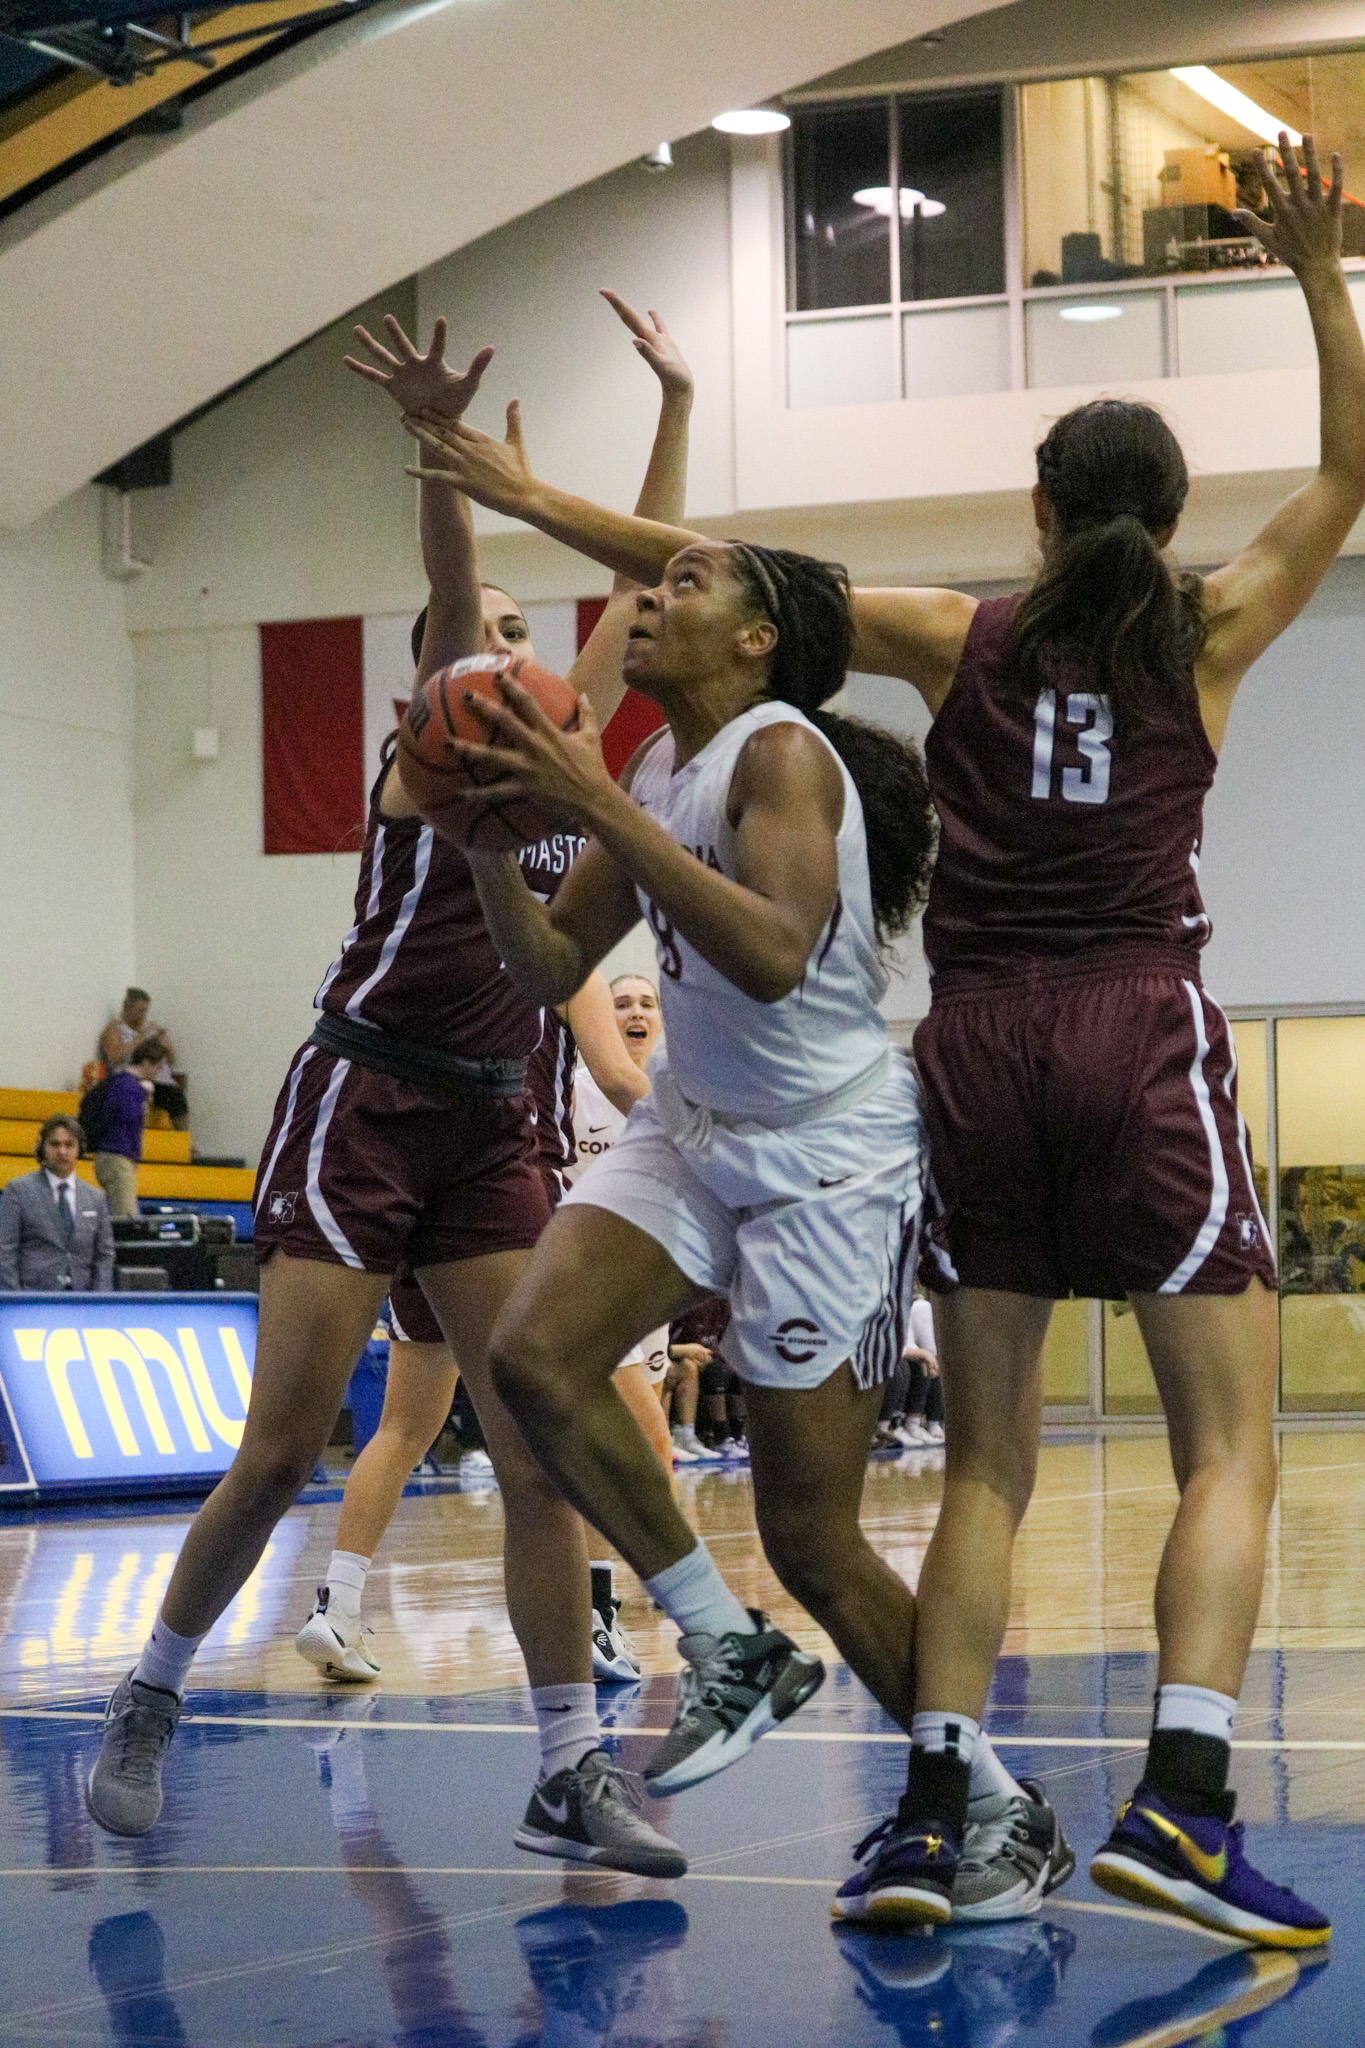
[(811, 1566), (272, 1473), (1007, 1470), (522, 1369)]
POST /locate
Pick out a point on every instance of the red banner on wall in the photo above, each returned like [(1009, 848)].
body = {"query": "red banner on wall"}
[(313, 735), (635, 717)]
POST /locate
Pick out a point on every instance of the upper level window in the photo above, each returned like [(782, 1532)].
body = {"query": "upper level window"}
[(934, 164)]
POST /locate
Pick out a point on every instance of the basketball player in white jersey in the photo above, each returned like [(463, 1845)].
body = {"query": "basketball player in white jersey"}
[(777, 1159), (597, 1124)]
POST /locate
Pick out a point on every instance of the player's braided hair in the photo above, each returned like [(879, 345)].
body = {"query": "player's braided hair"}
[(1115, 477), (808, 602)]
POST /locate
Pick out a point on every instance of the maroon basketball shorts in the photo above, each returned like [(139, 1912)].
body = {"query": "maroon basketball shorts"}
[(1084, 1138), (412, 1319), (384, 1175)]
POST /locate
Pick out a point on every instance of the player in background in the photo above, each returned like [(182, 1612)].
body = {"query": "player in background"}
[(403, 1140), (423, 1371)]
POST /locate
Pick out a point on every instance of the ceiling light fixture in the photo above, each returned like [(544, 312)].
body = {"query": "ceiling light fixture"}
[(1228, 100), (752, 121), (1092, 313), (878, 198)]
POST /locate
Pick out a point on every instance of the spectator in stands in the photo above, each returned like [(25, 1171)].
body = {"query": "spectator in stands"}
[(114, 1114), (54, 1230), (131, 1028)]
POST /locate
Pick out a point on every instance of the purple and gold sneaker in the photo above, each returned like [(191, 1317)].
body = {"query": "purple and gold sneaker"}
[(1189, 1864), (905, 1878)]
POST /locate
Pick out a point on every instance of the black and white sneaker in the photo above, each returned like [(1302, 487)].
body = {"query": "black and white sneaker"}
[(591, 1814), (614, 1661), (1013, 1854), (736, 1689)]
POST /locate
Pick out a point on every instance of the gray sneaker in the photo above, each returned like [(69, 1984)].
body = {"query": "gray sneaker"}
[(123, 1791), (738, 1687), (1013, 1854), (591, 1814)]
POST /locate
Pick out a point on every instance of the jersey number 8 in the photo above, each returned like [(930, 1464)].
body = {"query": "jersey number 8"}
[(1092, 721)]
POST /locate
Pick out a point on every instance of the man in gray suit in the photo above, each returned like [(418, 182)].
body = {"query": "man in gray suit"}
[(54, 1230)]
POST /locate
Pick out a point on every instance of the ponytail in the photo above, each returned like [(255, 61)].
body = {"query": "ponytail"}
[(1114, 476), (808, 602)]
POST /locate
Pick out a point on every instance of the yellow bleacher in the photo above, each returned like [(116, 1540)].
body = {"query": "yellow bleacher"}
[(165, 1173)]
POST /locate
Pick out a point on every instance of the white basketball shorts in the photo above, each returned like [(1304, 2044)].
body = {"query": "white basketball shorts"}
[(812, 1233)]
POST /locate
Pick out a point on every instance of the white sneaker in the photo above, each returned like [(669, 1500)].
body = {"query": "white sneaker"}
[(934, 1432), (476, 1470), (614, 1661), (704, 1454), (911, 1433), (332, 1648), (683, 1454)]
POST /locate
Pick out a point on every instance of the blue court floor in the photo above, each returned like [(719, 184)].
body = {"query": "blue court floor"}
[(339, 1870)]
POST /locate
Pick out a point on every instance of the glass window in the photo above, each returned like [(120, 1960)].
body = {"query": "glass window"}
[(1142, 175), (952, 199), (1320, 1065), (840, 247)]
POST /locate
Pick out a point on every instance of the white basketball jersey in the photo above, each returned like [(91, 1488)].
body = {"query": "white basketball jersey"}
[(597, 1123), (727, 1052)]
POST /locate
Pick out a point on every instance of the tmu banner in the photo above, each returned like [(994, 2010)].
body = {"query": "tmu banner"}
[(99, 1390)]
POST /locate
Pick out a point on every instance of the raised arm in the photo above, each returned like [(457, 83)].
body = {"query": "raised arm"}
[(1250, 602), (663, 495), (591, 1016), (423, 383)]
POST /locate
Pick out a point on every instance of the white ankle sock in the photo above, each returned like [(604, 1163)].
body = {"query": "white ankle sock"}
[(945, 1734), (693, 1594), (346, 1576), (990, 1779), (566, 1716), (1196, 1708), (166, 1658)]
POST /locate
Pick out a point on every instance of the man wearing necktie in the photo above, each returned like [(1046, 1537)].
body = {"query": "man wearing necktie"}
[(55, 1232)]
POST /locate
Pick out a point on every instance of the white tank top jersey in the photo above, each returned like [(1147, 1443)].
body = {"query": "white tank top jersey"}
[(726, 1052), (597, 1123), (921, 1327)]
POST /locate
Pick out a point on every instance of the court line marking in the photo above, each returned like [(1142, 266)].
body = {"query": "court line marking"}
[(828, 1735)]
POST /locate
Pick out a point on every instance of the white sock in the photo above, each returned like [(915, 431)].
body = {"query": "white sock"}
[(346, 1576), (945, 1734), (566, 1716), (693, 1594), (990, 1779), (166, 1658), (1196, 1708), (688, 1434)]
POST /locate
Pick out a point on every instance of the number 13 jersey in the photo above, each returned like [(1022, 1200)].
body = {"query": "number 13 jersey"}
[(727, 1052), (1054, 841)]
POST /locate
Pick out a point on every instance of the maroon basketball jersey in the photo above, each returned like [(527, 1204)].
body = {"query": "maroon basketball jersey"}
[(419, 960), (1054, 839), (549, 1081)]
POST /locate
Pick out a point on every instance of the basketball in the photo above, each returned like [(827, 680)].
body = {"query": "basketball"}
[(439, 783)]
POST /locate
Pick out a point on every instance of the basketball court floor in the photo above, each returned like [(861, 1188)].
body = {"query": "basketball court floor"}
[(337, 1868)]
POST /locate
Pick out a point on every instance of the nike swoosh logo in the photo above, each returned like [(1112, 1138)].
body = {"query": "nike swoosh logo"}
[(836, 1183), (558, 1813), (1213, 1869), (593, 1129)]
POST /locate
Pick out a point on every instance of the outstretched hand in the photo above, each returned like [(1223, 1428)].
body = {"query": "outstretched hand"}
[(1304, 229), (657, 347), (493, 473), (416, 382), (529, 756)]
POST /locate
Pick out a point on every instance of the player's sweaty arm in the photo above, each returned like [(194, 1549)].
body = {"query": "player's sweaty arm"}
[(785, 808), (1250, 602), (597, 671), (915, 634)]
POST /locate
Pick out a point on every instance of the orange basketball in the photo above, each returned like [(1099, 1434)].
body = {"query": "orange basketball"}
[(439, 783)]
